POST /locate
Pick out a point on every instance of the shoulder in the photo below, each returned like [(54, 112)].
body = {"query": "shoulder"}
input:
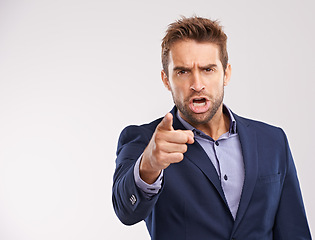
[(144, 129), (254, 123), (262, 129), (137, 134)]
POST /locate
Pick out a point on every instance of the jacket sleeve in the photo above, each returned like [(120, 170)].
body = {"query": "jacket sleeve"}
[(291, 221), (131, 205)]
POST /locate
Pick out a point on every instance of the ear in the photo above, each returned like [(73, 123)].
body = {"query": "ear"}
[(165, 80), (227, 75)]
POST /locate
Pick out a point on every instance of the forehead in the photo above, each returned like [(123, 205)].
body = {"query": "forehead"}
[(189, 53)]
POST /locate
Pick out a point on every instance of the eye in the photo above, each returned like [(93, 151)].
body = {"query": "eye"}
[(208, 70), (181, 72)]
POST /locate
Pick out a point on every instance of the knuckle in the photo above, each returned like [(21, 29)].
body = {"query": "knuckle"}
[(184, 148), (180, 157), (158, 135)]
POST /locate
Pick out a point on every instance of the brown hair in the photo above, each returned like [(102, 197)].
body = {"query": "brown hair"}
[(198, 29)]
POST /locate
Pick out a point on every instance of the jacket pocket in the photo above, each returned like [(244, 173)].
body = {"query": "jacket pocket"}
[(270, 178)]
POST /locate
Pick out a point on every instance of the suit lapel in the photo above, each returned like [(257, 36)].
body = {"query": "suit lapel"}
[(248, 141), (197, 155)]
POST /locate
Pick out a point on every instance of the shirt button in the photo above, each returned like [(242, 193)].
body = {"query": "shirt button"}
[(216, 143), (225, 178)]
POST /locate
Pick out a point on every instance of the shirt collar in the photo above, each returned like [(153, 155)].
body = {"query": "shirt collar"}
[(226, 110)]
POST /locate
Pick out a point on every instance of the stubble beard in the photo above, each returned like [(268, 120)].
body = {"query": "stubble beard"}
[(198, 119)]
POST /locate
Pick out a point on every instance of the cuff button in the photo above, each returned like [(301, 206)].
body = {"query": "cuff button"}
[(133, 199)]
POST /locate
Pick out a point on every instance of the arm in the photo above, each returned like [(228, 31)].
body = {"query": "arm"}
[(161, 147), (291, 222), (130, 203), (149, 189)]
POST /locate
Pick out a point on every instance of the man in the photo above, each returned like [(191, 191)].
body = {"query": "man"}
[(203, 172)]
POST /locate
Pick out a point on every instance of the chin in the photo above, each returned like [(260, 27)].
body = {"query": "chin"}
[(199, 119)]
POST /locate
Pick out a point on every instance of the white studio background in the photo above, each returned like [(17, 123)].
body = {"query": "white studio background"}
[(74, 73)]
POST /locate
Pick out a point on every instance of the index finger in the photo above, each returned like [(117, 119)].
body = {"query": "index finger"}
[(166, 123)]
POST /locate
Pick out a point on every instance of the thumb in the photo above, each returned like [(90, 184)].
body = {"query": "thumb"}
[(167, 123)]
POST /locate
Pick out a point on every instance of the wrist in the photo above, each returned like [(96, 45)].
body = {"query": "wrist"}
[(147, 173)]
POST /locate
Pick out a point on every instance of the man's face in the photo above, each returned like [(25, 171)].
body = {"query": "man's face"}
[(196, 80)]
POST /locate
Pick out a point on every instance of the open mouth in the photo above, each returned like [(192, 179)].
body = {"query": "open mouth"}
[(199, 102)]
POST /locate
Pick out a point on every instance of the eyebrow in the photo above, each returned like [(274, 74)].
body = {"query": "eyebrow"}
[(176, 68), (209, 66)]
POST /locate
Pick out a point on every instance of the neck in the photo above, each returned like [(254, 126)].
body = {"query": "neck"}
[(218, 125)]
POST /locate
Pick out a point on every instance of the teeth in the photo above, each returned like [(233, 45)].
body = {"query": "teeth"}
[(199, 104)]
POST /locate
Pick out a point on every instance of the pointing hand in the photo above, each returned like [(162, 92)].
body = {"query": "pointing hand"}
[(166, 146)]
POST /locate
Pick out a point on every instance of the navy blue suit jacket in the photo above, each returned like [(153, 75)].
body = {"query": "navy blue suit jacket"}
[(191, 204)]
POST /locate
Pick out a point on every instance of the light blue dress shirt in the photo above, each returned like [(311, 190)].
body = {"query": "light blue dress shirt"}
[(225, 155)]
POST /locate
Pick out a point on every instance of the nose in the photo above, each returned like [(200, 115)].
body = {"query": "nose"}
[(197, 83)]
